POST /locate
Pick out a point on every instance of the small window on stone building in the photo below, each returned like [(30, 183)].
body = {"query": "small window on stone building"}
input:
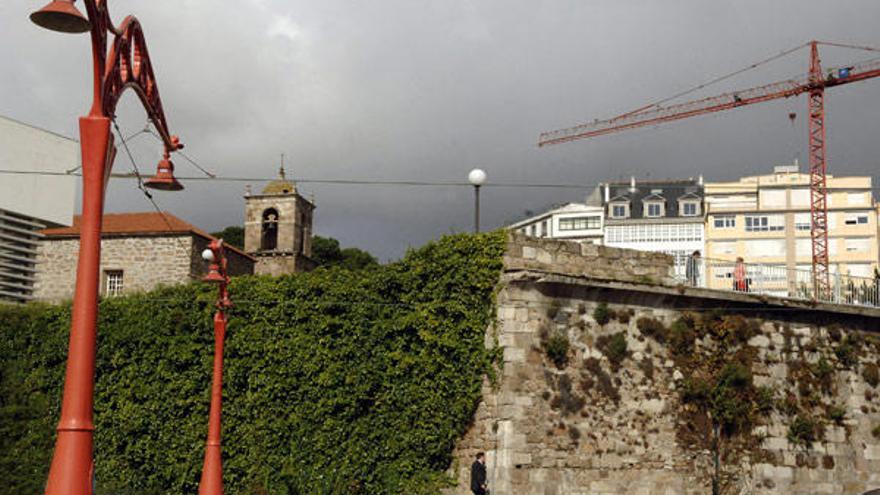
[(269, 240), (113, 283)]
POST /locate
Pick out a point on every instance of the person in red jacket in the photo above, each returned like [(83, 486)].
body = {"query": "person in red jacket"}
[(740, 283)]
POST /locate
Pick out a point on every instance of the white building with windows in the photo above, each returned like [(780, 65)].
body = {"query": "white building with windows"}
[(664, 216), (766, 221), (574, 221)]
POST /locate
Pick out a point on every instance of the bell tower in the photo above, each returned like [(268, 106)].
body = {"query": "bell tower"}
[(278, 228)]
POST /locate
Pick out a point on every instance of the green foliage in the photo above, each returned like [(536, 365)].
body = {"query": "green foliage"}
[(804, 430), (327, 252), (871, 374), (652, 327), (765, 399), (836, 414), (557, 348), (336, 381), (682, 337), (846, 352), (875, 432), (614, 348), (601, 314), (234, 236), (728, 396)]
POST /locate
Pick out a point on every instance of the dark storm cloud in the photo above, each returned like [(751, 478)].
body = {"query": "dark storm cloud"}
[(429, 90)]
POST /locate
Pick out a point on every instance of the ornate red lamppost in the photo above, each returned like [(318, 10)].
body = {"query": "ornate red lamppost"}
[(212, 470), (126, 65)]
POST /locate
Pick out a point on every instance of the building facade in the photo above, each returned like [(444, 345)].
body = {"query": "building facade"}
[(139, 252), (31, 202), (766, 221), (661, 216), (574, 221), (278, 229)]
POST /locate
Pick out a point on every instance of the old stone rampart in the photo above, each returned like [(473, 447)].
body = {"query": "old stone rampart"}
[(616, 380)]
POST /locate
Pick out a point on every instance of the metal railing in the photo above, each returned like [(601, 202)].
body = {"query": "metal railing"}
[(774, 280)]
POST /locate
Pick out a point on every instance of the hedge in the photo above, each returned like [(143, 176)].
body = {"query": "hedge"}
[(336, 381)]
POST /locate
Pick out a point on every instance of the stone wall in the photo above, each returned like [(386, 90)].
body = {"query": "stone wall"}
[(592, 425), (586, 259), (146, 262)]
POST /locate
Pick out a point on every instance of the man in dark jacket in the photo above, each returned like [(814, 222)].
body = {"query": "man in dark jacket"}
[(478, 475)]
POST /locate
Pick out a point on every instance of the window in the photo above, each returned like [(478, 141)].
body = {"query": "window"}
[(802, 221), (772, 198), (580, 223), (724, 221), (545, 228), (766, 223), (800, 198), (113, 283), (763, 248), (619, 211), (856, 219), (857, 245), (532, 230), (269, 238), (720, 248), (654, 210), (689, 208), (855, 199)]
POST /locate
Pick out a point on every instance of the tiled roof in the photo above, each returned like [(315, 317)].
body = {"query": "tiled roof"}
[(669, 191), (137, 224)]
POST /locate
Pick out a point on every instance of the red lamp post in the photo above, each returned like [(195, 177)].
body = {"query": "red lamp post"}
[(212, 470), (126, 65)]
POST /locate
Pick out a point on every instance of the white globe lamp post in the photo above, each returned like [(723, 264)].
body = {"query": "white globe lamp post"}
[(477, 177)]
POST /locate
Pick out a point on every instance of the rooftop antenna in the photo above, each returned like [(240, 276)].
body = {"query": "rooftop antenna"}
[(281, 170)]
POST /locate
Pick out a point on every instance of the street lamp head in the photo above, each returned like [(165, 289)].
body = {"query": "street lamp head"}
[(61, 16), (164, 179), (477, 177), (208, 255)]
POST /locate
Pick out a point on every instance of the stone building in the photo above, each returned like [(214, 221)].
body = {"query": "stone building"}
[(278, 228), (139, 252)]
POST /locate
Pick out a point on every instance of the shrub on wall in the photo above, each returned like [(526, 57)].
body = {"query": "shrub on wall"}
[(335, 381)]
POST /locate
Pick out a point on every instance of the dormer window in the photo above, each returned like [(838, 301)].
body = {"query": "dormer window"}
[(654, 209), (690, 208), (620, 210)]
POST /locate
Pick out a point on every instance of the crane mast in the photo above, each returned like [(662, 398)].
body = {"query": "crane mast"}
[(813, 84)]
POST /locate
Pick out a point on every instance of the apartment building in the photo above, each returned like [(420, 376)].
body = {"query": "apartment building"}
[(29, 202), (766, 221), (665, 216), (573, 221)]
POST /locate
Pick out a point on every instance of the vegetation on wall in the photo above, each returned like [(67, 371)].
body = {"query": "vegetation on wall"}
[(336, 381)]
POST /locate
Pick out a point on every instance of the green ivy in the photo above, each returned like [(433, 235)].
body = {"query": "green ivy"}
[(335, 381)]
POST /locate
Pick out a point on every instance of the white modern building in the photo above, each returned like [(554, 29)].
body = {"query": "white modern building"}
[(574, 221), (31, 202), (664, 216)]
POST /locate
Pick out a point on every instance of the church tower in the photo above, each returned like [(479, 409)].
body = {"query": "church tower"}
[(278, 228)]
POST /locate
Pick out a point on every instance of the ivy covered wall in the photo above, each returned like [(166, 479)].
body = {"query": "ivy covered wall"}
[(336, 381)]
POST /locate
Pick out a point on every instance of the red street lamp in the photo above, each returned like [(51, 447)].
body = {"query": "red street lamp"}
[(212, 470), (125, 65)]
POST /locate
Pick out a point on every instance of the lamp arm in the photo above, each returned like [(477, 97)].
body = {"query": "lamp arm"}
[(127, 65)]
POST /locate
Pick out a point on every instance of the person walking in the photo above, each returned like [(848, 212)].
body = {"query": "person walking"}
[(478, 475), (692, 270), (739, 276)]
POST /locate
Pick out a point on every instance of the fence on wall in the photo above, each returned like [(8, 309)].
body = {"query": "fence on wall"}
[(774, 280)]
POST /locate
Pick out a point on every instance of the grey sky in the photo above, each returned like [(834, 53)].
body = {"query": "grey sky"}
[(429, 90)]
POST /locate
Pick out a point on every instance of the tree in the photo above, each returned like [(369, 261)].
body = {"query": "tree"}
[(327, 252), (234, 236)]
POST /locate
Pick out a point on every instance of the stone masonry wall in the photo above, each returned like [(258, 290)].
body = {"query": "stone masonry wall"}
[(146, 262), (592, 425), (587, 259)]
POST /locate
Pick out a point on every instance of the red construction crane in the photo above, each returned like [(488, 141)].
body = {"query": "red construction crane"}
[(813, 83)]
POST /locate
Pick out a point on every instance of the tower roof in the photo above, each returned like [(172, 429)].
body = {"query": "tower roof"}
[(280, 185)]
